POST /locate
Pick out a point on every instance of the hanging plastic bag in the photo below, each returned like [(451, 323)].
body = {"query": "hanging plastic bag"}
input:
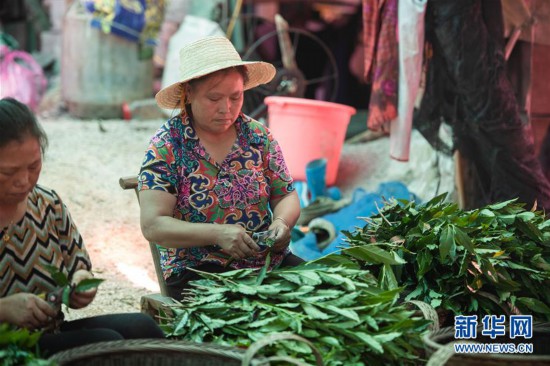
[(21, 77)]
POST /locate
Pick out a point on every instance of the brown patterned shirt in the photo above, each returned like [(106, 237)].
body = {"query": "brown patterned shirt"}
[(45, 236)]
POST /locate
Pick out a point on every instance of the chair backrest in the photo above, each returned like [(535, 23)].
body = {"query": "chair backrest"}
[(132, 183)]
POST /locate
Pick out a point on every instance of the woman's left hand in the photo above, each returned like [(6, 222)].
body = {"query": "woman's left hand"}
[(280, 233), (81, 299)]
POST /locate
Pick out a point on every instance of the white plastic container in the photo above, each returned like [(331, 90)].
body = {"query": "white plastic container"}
[(100, 72)]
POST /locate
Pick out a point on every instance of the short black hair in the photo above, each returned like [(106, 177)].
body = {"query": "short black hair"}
[(17, 121)]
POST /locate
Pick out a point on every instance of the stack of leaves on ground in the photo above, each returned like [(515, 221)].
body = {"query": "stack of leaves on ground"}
[(341, 310), (492, 260)]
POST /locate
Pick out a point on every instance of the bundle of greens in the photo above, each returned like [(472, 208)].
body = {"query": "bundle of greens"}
[(18, 347), (341, 310), (492, 260), (63, 293)]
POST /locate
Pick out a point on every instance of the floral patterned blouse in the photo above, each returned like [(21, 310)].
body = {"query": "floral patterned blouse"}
[(236, 192)]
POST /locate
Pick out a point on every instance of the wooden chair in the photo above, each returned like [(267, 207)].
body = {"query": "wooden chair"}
[(151, 304)]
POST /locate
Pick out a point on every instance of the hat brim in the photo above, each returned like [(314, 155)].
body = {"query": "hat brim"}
[(258, 73)]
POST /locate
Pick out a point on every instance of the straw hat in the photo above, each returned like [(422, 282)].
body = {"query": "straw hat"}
[(206, 56)]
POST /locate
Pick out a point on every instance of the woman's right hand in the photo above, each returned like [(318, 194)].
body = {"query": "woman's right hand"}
[(26, 310), (234, 241)]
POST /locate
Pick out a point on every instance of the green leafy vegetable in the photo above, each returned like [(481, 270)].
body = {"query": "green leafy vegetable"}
[(65, 286), (18, 347), (483, 261), (341, 310)]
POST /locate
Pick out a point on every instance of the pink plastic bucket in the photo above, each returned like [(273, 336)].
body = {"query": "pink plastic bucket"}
[(309, 129)]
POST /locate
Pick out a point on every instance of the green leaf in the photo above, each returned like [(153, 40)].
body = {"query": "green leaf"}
[(268, 290), (370, 341), (424, 259), (314, 312), (530, 230), (263, 271), (489, 270), (337, 280), (540, 263), (521, 267), (374, 254), (501, 205), (212, 323), (388, 337), (66, 295), (348, 299), (310, 277), (487, 213), (437, 200), (331, 341), (245, 289), (348, 313), (446, 241), (371, 322), (526, 216), (262, 322), (336, 260), (245, 318), (59, 277), (435, 303), (291, 277), (414, 294), (88, 284), (388, 279), (507, 219), (534, 305), (463, 239), (464, 261)]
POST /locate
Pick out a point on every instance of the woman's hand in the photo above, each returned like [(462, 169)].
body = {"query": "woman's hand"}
[(234, 241), (280, 234), (26, 310), (81, 299)]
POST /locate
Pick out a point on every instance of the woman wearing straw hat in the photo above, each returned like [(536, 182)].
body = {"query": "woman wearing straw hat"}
[(212, 177)]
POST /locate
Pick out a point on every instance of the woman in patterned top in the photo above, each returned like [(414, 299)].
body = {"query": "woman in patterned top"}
[(36, 231), (212, 177)]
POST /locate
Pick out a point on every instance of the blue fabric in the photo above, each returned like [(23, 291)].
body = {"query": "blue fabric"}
[(128, 20), (348, 218)]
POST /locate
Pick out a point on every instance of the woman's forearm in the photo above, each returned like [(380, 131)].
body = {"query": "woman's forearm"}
[(287, 209), (158, 225), (173, 233)]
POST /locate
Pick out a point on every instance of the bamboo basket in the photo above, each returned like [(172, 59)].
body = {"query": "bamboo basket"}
[(149, 352), (166, 352), (439, 349)]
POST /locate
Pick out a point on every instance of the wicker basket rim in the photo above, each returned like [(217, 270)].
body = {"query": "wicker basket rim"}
[(167, 346)]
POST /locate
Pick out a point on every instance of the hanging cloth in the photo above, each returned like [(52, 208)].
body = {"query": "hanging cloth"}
[(381, 60), (410, 22)]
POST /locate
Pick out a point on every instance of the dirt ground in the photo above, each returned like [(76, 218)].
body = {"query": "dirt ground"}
[(86, 158)]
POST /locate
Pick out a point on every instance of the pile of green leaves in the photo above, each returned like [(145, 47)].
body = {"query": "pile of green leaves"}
[(18, 347), (341, 310), (492, 260)]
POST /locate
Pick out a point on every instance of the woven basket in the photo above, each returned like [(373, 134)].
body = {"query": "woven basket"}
[(165, 352), (150, 352), (439, 349)]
